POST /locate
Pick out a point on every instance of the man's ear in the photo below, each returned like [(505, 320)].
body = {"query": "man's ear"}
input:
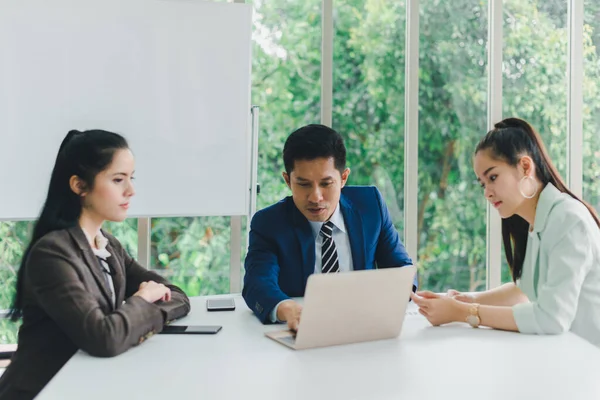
[(345, 175), (286, 178), (77, 185)]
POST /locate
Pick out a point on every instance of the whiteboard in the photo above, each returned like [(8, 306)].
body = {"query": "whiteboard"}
[(172, 76)]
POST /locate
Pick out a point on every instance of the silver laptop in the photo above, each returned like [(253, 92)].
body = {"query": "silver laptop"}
[(351, 307)]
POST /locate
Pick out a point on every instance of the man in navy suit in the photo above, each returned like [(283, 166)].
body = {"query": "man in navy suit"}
[(324, 227)]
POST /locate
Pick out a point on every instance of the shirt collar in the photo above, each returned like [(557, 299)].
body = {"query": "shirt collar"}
[(101, 242), (337, 219)]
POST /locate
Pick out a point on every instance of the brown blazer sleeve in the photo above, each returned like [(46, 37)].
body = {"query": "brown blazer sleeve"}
[(59, 290), (135, 274)]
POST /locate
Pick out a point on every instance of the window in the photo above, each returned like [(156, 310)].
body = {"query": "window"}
[(535, 81), (368, 95), (591, 104), (14, 238), (535, 70), (452, 119), (126, 233), (286, 82), (192, 253)]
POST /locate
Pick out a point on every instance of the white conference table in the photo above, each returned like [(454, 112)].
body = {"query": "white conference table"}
[(425, 362)]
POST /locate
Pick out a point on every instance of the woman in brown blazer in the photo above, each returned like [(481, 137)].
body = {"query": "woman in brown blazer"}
[(77, 287)]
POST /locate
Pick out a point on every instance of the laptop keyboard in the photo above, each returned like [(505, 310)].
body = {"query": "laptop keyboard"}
[(288, 339)]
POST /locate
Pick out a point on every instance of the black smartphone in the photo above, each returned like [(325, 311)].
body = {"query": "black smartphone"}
[(226, 304), (191, 329)]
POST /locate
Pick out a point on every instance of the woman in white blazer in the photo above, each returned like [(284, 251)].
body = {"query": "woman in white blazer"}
[(551, 240)]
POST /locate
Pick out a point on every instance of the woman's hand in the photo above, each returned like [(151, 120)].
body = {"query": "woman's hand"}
[(464, 297), (153, 292), (440, 309)]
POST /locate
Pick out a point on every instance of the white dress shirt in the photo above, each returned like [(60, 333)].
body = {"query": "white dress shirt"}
[(102, 254)]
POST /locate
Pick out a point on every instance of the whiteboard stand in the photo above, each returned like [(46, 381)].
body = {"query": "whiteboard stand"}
[(254, 186), (254, 111), (235, 272)]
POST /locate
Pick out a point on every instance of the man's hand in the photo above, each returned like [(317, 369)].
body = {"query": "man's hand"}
[(290, 311)]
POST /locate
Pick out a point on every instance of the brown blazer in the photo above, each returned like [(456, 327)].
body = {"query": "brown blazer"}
[(67, 307)]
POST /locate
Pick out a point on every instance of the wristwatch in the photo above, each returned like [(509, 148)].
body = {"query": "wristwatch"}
[(473, 317)]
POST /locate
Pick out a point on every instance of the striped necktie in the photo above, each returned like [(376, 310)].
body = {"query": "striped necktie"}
[(329, 256)]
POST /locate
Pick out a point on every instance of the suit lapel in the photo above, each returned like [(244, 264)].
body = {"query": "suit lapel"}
[(549, 197), (529, 272), (306, 241), (354, 227), (535, 248), (91, 261)]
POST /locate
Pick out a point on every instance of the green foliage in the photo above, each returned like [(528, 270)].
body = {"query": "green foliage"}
[(8, 331), (14, 238), (591, 104), (126, 232), (193, 253)]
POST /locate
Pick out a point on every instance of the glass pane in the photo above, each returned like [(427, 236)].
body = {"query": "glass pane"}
[(452, 119), (535, 74), (193, 253), (126, 232), (368, 98), (591, 104), (286, 82), (14, 238), (535, 70)]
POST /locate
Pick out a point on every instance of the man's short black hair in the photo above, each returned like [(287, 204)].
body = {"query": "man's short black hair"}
[(311, 142)]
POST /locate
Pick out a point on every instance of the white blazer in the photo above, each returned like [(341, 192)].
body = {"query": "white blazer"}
[(561, 270)]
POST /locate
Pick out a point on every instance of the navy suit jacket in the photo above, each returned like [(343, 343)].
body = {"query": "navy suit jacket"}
[(281, 248)]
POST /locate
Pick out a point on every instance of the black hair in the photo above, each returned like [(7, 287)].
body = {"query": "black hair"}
[(82, 154), (510, 140), (311, 142)]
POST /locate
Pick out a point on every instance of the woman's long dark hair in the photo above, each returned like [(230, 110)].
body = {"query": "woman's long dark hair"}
[(83, 154), (510, 140)]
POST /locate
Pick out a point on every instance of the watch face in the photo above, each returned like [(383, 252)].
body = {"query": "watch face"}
[(473, 320)]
